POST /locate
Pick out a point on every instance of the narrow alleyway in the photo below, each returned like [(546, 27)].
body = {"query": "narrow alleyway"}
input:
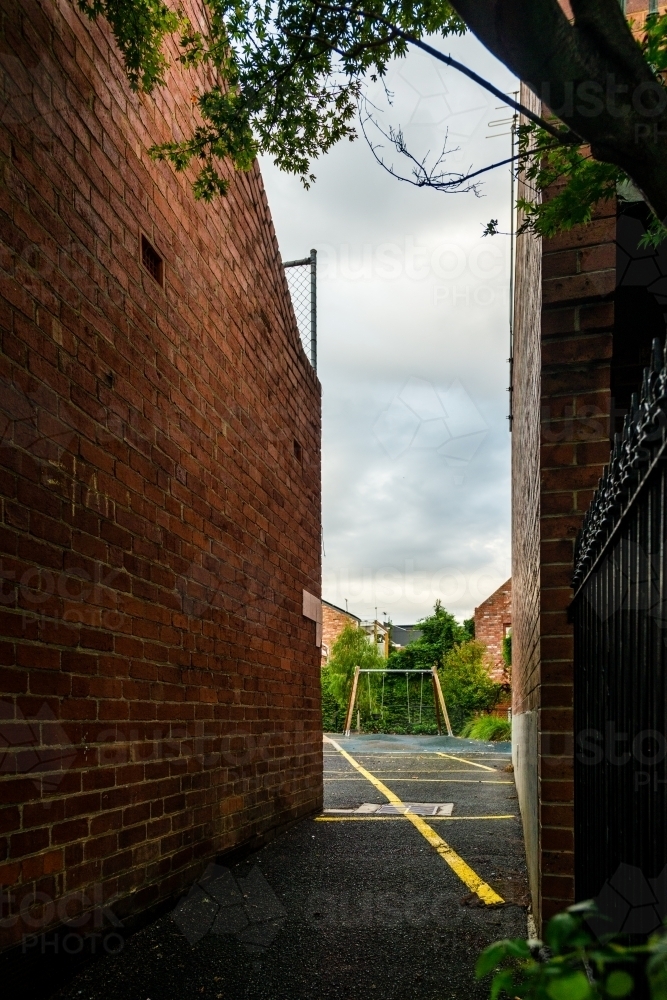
[(351, 903)]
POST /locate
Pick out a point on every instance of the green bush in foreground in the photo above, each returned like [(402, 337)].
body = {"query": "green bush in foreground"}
[(487, 727), (575, 964)]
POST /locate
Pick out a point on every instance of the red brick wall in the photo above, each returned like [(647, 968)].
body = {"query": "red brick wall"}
[(553, 482), (334, 621), (159, 685), (577, 283), (493, 618), (577, 331)]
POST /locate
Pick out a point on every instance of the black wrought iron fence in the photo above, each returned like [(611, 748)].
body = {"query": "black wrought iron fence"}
[(302, 281), (619, 613)]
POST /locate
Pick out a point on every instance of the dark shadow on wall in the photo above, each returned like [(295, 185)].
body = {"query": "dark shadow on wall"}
[(640, 306)]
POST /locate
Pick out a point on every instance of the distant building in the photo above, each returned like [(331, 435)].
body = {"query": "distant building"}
[(378, 635), (334, 620), (403, 635), (493, 622)]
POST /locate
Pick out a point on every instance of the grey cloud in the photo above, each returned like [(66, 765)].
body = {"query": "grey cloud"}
[(413, 346)]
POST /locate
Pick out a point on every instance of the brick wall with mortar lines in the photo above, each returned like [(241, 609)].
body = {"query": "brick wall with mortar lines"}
[(334, 621), (561, 362), (526, 460), (526, 529), (577, 332), (493, 619), (159, 686)]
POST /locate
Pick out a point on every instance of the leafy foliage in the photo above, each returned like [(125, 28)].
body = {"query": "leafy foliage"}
[(507, 649), (288, 74), (487, 727), (398, 703), (139, 27), (573, 964), (333, 712), (351, 649), (580, 182), (466, 684), (287, 79), (440, 633), (654, 42)]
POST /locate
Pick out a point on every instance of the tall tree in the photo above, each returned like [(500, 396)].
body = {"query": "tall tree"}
[(440, 633)]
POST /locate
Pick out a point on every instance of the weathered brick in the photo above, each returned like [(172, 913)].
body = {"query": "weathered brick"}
[(159, 493), (493, 621), (563, 355)]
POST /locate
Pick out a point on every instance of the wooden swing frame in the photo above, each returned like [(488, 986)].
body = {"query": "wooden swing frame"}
[(438, 696)]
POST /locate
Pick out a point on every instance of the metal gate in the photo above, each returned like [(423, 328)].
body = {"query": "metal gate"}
[(619, 614)]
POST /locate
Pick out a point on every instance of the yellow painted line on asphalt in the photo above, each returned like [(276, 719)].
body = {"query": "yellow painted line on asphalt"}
[(456, 863), (404, 755), (451, 756), (379, 819), (446, 781), (411, 771)]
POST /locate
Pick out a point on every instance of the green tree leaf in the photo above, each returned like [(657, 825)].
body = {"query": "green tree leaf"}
[(491, 958), (574, 986), (619, 983), (560, 929)]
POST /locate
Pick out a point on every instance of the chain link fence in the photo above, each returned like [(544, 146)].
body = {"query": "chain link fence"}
[(302, 281)]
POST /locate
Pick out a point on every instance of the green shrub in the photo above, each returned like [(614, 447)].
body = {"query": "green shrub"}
[(351, 649), (333, 714), (487, 727), (576, 965), (507, 650), (466, 684)]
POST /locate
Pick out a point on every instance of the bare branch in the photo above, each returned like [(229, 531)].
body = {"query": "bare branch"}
[(422, 175)]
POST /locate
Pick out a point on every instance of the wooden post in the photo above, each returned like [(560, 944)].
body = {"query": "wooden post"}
[(435, 705), (441, 699), (353, 698)]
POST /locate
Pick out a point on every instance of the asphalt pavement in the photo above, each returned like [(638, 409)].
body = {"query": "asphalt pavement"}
[(416, 865)]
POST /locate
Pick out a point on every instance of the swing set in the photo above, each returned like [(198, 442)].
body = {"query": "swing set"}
[(438, 697)]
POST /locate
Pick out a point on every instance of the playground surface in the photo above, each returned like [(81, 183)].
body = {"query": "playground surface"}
[(388, 743), (382, 902)]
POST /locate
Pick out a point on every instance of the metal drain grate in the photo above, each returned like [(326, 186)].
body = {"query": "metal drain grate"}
[(418, 808)]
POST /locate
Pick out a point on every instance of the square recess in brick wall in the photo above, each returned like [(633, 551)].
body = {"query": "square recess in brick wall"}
[(152, 261)]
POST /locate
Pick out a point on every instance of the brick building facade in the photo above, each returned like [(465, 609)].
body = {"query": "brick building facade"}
[(160, 494), (493, 622), (585, 317), (334, 620), (562, 397)]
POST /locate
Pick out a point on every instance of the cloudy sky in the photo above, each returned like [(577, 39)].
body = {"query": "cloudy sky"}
[(412, 348)]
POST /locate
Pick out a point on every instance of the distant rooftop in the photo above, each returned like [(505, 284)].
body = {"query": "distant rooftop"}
[(403, 635), (343, 610)]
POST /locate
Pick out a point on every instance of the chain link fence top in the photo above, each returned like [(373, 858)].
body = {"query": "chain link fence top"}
[(302, 282)]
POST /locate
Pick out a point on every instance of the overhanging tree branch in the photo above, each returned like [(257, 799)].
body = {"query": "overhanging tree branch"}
[(559, 134), (592, 74)]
